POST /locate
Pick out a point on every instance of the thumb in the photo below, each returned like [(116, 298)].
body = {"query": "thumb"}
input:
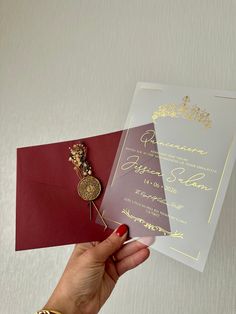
[(111, 244)]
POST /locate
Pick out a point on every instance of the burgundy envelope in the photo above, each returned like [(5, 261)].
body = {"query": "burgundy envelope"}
[(49, 211)]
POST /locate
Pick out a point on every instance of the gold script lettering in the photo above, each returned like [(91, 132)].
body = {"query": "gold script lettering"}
[(191, 181), (132, 162), (149, 137)]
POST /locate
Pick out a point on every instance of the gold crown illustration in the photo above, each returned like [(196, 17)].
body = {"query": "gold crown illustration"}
[(184, 110)]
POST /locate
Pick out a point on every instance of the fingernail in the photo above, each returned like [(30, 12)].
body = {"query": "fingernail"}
[(121, 230)]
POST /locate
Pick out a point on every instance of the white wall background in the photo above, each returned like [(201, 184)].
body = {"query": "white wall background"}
[(68, 69)]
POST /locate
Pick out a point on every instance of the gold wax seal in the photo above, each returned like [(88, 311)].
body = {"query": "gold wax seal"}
[(89, 188)]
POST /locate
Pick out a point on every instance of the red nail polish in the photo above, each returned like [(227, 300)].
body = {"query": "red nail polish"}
[(121, 230)]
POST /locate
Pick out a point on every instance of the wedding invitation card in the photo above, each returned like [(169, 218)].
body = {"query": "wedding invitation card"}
[(125, 195), (172, 168)]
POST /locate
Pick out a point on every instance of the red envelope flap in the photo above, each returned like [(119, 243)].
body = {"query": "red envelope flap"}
[(49, 211)]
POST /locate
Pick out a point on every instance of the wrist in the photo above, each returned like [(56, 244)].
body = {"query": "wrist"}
[(67, 306), (63, 306)]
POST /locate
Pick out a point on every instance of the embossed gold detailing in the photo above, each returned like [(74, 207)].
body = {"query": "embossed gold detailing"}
[(157, 199), (132, 162), (188, 182), (89, 187), (150, 226), (187, 255), (149, 136), (184, 110)]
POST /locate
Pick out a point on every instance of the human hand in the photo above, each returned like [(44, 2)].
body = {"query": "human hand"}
[(92, 272)]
